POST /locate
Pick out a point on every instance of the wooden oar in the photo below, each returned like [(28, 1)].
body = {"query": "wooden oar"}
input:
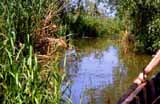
[(139, 81), (153, 63)]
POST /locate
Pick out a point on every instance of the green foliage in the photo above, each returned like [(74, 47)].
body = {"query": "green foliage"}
[(154, 31), (143, 21), (85, 25)]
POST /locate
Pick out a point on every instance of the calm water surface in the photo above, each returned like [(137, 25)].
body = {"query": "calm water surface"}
[(99, 70)]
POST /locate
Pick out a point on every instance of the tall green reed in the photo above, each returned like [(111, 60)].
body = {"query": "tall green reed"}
[(20, 73)]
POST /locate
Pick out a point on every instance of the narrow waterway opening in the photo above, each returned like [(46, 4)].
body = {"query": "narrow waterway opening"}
[(99, 70)]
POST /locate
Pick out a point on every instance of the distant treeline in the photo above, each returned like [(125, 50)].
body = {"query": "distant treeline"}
[(140, 18)]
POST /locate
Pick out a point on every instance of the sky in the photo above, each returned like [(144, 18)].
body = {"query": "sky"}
[(102, 7)]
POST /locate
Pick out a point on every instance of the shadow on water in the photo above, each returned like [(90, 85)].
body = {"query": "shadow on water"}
[(99, 70)]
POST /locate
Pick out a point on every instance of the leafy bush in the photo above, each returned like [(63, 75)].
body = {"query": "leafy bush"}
[(154, 33), (143, 21)]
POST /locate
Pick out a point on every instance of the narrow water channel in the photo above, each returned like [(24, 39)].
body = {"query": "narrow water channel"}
[(99, 70)]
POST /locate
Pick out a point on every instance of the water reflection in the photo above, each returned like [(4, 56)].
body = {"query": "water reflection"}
[(99, 71)]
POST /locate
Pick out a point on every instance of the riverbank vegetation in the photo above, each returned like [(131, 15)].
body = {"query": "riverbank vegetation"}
[(85, 25), (85, 19), (28, 29), (142, 18)]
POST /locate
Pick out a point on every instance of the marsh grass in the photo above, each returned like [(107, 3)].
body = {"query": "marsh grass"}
[(21, 78)]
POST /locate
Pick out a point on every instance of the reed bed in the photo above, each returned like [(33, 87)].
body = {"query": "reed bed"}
[(21, 78)]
